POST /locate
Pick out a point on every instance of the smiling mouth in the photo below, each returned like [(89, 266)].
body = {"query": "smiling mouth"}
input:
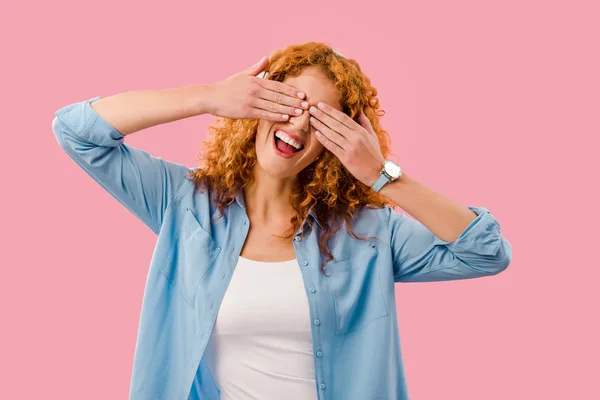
[(284, 148)]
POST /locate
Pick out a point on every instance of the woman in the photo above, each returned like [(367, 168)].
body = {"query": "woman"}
[(295, 195)]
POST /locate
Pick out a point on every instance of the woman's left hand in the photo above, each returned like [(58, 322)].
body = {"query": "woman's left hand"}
[(355, 144)]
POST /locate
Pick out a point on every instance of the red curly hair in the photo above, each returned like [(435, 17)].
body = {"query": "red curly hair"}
[(325, 184)]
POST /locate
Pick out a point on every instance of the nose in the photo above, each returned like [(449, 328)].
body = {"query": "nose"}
[(301, 122)]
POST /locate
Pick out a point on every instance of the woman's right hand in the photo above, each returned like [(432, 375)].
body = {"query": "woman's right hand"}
[(244, 95)]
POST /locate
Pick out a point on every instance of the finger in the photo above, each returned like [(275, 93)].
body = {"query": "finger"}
[(258, 67), (281, 87), (330, 134), (334, 114), (275, 107), (364, 121), (331, 122), (329, 145), (268, 115), (281, 98)]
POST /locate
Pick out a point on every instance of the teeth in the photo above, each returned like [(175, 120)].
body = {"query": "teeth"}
[(283, 136)]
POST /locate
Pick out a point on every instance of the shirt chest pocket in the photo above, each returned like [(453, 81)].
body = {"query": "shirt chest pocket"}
[(194, 252), (356, 289)]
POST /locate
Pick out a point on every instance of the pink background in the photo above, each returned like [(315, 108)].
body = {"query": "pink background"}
[(495, 105)]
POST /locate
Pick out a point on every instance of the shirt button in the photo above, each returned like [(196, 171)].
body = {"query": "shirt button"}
[(297, 238), (322, 386), (305, 263), (316, 321), (319, 354), (312, 289)]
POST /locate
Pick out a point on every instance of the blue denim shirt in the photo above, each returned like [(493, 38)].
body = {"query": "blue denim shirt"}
[(354, 325)]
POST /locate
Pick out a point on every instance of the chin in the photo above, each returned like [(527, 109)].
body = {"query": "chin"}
[(272, 166)]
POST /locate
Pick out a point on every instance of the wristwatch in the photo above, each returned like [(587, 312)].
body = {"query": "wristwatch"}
[(389, 173)]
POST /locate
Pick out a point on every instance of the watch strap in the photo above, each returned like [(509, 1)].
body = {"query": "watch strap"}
[(383, 179)]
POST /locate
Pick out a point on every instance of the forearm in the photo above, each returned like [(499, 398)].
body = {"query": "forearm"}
[(445, 217), (133, 111)]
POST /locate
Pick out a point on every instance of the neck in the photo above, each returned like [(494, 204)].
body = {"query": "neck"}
[(268, 198)]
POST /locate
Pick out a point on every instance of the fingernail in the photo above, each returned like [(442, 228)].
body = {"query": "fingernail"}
[(304, 104), (313, 109), (285, 116), (299, 111), (301, 95), (321, 105)]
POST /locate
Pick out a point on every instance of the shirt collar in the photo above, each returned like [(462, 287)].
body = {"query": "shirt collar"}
[(239, 198)]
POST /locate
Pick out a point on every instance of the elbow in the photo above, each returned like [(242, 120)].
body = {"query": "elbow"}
[(67, 143), (492, 264), (71, 144), (57, 129), (500, 266), (503, 257)]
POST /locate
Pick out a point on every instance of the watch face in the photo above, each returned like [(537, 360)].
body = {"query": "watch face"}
[(392, 169)]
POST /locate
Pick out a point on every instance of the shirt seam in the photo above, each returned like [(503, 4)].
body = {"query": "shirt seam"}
[(173, 200)]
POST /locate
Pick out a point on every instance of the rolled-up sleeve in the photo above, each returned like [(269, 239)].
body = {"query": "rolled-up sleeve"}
[(420, 256), (144, 184)]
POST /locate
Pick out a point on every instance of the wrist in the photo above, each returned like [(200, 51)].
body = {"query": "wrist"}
[(401, 182), (200, 99), (390, 172)]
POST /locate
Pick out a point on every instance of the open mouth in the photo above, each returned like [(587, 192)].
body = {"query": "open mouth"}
[(285, 149)]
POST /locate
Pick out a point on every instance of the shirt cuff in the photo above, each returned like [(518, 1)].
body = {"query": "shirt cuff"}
[(481, 236), (83, 121)]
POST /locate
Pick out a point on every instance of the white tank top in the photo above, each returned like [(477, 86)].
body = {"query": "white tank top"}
[(261, 345)]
